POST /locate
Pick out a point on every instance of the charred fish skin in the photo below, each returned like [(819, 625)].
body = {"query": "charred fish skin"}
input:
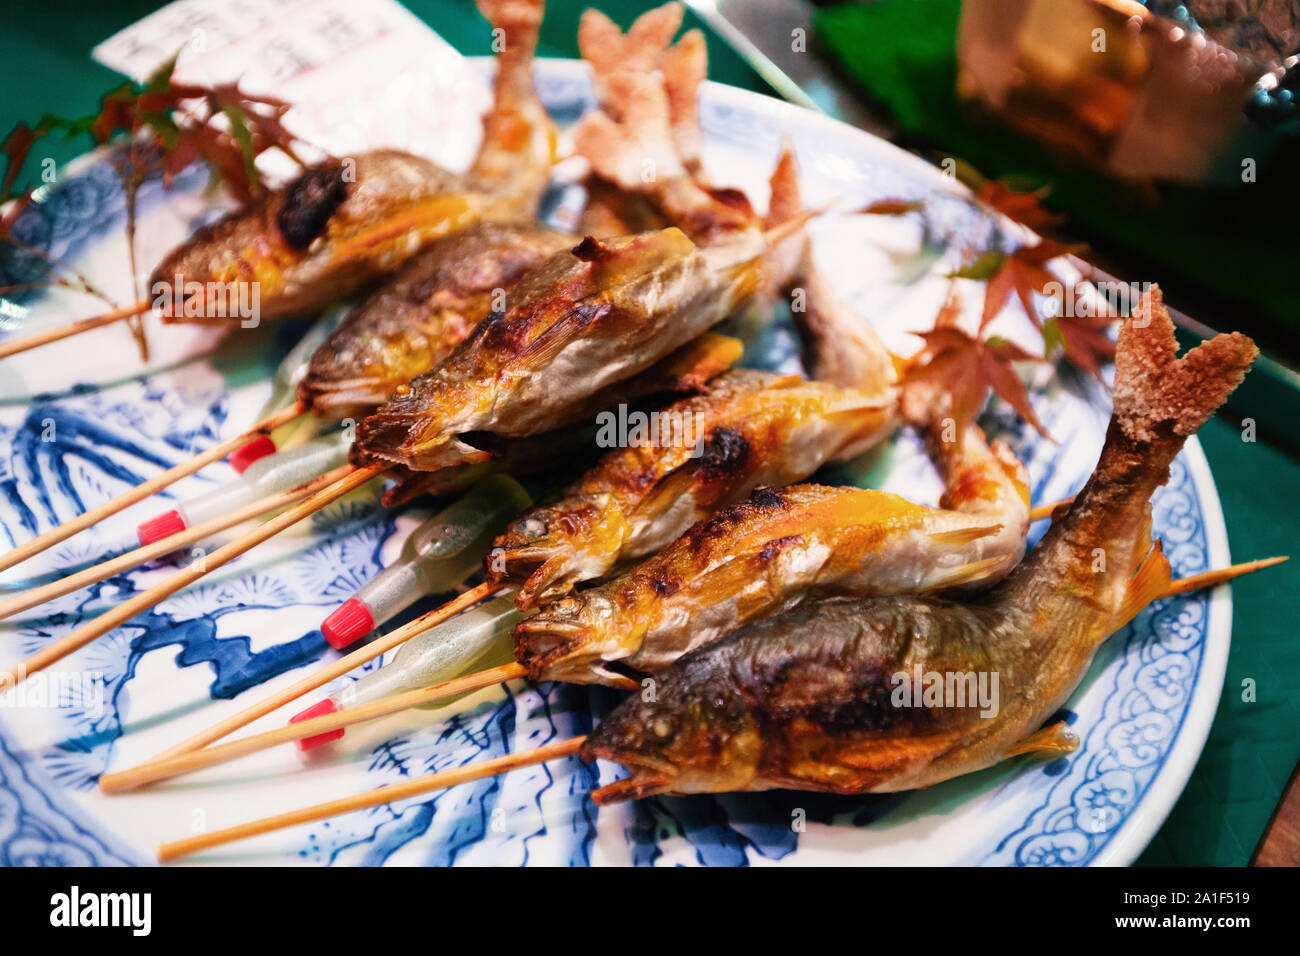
[(684, 372), (779, 547), (806, 691), (406, 327), (344, 223), (749, 428), (287, 242), (581, 321), (805, 701)]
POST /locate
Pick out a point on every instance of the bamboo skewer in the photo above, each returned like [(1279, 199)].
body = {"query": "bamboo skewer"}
[(72, 328), (164, 769), (147, 488), (182, 539), (487, 768), (371, 798), (326, 674), (1206, 579), (119, 615), (156, 770)]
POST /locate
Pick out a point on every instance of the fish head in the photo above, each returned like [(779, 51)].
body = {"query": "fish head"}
[(685, 731), (553, 547), (329, 231)]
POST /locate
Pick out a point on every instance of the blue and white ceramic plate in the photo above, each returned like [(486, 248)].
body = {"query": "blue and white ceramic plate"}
[(83, 420)]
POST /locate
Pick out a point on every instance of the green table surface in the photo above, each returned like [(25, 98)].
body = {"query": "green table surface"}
[(45, 67)]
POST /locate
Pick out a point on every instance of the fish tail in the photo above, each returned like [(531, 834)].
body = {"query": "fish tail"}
[(1160, 400), (685, 65), (634, 151), (1156, 391), (515, 25), (785, 202), (518, 135)]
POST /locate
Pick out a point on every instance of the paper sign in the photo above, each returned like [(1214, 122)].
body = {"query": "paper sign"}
[(360, 74)]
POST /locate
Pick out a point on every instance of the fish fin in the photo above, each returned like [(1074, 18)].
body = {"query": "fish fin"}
[(964, 535), (1055, 738), (608, 50), (685, 65), (1151, 582), (785, 203), (630, 788), (700, 360), (542, 350), (970, 572)]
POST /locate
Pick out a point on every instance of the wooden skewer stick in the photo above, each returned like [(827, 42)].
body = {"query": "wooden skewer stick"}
[(499, 765), (185, 762), (337, 669), (147, 488), (119, 615), (1207, 579), (72, 328), (1045, 511), (175, 542), (156, 770), (371, 798)]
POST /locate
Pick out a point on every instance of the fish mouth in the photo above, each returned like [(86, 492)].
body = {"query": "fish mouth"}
[(649, 775), (345, 398), (396, 437), (215, 303)]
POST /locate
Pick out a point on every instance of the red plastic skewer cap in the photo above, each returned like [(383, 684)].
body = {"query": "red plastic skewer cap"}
[(259, 447), (348, 624), (164, 526), (318, 709)]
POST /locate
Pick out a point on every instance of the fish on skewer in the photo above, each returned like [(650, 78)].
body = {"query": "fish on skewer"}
[(686, 371), (779, 547), (565, 311), (407, 326), (785, 545), (343, 223), (808, 699), (581, 321), (749, 428)]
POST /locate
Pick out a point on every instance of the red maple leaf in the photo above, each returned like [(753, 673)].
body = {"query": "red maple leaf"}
[(966, 368), (1082, 338), (1022, 272), (892, 207), (1024, 207)]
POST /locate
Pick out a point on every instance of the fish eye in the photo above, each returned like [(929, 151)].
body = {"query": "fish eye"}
[(661, 727)]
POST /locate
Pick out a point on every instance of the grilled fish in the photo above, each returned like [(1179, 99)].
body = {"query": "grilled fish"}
[(686, 371), (811, 699), (707, 452), (782, 546), (579, 322), (343, 223), (410, 324)]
